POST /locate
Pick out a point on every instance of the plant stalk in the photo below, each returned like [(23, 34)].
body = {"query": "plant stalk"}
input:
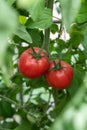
[(21, 96), (46, 42), (10, 101)]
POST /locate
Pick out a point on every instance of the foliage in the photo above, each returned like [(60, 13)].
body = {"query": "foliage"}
[(30, 104)]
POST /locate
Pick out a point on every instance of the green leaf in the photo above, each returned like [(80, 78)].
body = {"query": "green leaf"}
[(61, 99), (70, 10), (8, 125), (10, 2), (76, 38), (17, 78), (77, 81), (8, 24), (44, 21), (22, 19), (9, 61), (84, 41), (38, 83), (61, 45), (22, 33), (24, 126), (54, 28), (37, 37), (82, 57), (82, 16), (6, 110), (36, 8)]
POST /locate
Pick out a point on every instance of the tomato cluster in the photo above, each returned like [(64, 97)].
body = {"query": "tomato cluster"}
[(34, 63)]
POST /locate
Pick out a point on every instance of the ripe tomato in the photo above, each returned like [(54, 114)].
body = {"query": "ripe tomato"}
[(33, 67), (60, 78)]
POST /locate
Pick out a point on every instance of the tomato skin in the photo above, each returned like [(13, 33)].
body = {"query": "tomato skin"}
[(32, 67), (60, 78)]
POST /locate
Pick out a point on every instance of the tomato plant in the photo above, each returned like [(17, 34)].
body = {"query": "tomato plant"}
[(32, 64), (33, 90), (60, 77)]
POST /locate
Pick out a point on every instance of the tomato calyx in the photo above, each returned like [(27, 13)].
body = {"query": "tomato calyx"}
[(57, 66), (36, 55)]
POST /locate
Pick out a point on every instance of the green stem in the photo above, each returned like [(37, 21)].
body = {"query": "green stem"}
[(10, 101), (57, 18), (30, 95), (46, 42), (60, 31), (21, 96), (57, 94), (57, 66)]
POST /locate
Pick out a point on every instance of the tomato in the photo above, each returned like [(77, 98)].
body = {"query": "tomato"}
[(60, 78), (31, 66)]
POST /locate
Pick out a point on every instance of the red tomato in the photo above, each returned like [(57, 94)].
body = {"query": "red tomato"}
[(33, 67), (60, 78)]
